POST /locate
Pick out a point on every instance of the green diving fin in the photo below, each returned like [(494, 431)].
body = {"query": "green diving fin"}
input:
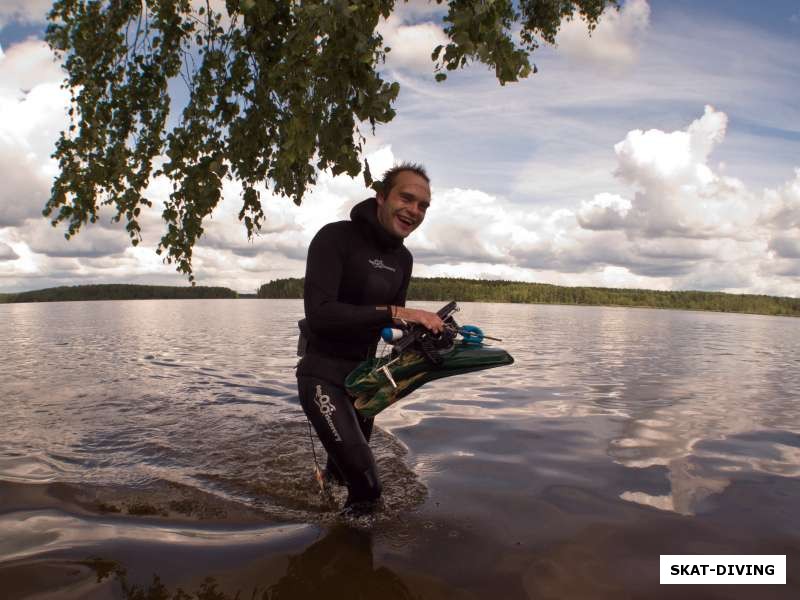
[(380, 382)]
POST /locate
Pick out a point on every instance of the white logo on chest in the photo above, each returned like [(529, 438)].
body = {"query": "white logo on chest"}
[(378, 264)]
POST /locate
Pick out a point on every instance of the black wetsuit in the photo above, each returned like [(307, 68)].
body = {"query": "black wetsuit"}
[(355, 271)]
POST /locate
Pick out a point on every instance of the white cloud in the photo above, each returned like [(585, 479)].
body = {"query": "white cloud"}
[(25, 186), (681, 226), (411, 43), (785, 245), (287, 230), (7, 252), (26, 65), (93, 241), (32, 112), (604, 211), (614, 42), (24, 11), (34, 254), (783, 205), (677, 192), (781, 217), (584, 203)]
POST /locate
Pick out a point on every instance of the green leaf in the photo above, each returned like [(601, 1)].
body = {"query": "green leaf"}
[(367, 174)]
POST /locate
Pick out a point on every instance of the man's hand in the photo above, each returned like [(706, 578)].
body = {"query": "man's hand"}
[(429, 320)]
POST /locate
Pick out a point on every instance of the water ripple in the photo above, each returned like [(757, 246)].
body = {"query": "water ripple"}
[(666, 409)]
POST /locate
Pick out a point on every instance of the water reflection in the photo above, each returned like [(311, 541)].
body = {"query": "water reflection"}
[(694, 414), (339, 565), (707, 382), (706, 398)]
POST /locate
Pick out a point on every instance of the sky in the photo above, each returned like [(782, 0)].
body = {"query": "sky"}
[(662, 152)]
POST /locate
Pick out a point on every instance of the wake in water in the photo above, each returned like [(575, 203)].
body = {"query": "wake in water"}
[(274, 473)]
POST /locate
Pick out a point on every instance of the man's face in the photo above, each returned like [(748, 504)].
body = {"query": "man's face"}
[(404, 208)]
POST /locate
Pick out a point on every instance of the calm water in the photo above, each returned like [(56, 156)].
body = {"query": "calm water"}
[(618, 435)]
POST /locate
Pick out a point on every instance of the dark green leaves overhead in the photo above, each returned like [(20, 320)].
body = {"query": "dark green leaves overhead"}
[(270, 90)]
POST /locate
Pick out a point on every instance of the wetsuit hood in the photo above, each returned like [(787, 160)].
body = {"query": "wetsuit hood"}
[(365, 214)]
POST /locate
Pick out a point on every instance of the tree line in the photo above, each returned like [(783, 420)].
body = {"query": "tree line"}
[(118, 292), (444, 289), (472, 290)]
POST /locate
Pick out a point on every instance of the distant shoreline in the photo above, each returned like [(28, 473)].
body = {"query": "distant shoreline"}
[(119, 291), (445, 289)]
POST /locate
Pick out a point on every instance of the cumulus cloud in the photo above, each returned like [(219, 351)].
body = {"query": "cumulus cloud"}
[(34, 254), (25, 187), (783, 205), (614, 42), (676, 158), (781, 217), (287, 230), (681, 225), (412, 32), (785, 245), (604, 211), (676, 191), (26, 65), (7, 252), (93, 241), (665, 217), (32, 112), (24, 11), (464, 225)]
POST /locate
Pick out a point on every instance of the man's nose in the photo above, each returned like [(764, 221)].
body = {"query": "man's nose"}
[(415, 211)]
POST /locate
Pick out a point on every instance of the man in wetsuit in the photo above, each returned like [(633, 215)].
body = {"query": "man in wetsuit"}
[(357, 276)]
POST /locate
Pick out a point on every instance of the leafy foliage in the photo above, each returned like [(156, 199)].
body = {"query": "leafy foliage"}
[(474, 290), (277, 90)]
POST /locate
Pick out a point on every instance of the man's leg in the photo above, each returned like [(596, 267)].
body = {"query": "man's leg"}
[(331, 470), (341, 432)]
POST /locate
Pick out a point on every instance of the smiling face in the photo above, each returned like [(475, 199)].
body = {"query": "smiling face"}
[(404, 208)]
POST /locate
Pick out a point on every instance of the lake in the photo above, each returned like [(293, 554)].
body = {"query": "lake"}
[(148, 447)]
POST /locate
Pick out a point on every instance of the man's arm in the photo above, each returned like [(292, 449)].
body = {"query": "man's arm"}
[(325, 314), (413, 315)]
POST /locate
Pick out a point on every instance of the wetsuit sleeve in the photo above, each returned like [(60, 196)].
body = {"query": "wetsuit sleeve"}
[(400, 298), (324, 312)]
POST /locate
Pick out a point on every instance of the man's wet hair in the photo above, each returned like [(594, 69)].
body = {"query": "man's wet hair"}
[(386, 184)]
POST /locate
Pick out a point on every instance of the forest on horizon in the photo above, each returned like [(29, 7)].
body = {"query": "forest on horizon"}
[(476, 290), (445, 289)]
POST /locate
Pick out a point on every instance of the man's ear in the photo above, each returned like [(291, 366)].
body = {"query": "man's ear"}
[(379, 198)]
